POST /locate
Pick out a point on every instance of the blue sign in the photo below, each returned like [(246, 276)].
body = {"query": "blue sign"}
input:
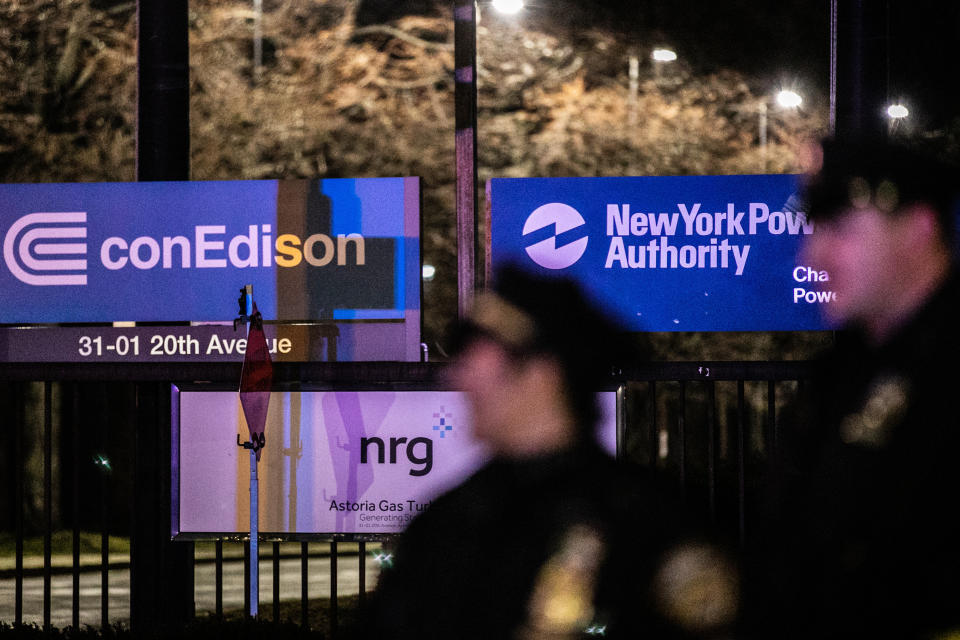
[(703, 253), (314, 250)]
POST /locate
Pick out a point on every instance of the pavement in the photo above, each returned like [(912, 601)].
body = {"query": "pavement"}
[(62, 563)]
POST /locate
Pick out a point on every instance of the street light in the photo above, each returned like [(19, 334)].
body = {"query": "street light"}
[(662, 54), (660, 57), (897, 116), (508, 7), (786, 99), (897, 111), (789, 99)]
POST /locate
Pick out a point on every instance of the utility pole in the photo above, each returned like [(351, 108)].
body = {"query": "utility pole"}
[(162, 153), (858, 67), (465, 122)]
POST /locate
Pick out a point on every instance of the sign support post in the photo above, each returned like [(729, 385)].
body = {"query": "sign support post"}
[(254, 536), (255, 382)]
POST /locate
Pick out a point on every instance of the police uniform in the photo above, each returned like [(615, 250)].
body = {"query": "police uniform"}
[(558, 542), (566, 545), (867, 543)]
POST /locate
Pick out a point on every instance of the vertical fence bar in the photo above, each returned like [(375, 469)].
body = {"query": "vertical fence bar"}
[(741, 463), (191, 587), (362, 575), (333, 589), (712, 450), (276, 581), (772, 435), (304, 584), (75, 447), (218, 577), (682, 435), (653, 434), (104, 514), (18, 412), (47, 499)]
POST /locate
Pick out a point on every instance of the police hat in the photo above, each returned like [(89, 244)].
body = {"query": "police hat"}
[(882, 174), (532, 315)]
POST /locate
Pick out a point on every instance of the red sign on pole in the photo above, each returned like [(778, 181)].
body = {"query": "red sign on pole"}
[(255, 381)]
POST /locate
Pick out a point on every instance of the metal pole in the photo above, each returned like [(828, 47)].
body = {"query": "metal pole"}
[(162, 153), (741, 462), (763, 136), (362, 572), (254, 535), (19, 393), (47, 500), (218, 578), (465, 114), (75, 442), (163, 91), (257, 41), (334, 604), (712, 450), (276, 581), (304, 584), (682, 428), (104, 513), (861, 68), (832, 127)]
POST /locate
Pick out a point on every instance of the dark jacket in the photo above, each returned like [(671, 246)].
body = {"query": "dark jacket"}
[(478, 560), (862, 540)]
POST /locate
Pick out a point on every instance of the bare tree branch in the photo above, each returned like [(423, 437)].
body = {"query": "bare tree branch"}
[(402, 35)]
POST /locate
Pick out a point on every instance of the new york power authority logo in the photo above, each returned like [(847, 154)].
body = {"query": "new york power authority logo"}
[(45, 249), (564, 218)]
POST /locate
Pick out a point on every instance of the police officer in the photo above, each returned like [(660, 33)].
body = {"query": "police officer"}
[(866, 540), (552, 538)]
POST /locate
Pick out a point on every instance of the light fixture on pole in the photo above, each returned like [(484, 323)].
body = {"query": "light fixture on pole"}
[(508, 7), (897, 111), (662, 54), (789, 99), (785, 99)]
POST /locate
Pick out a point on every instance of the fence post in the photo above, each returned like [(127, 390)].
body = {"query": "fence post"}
[(161, 571)]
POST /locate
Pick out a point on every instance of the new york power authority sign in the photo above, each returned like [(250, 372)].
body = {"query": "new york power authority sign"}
[(715, 253)]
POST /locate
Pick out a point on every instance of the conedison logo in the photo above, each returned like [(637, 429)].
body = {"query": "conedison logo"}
[(35, 246), (546, 253)]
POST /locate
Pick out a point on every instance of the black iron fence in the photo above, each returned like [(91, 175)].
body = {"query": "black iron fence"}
[(86, 449)]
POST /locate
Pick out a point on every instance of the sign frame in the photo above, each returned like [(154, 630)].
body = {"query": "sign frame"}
[(616, 387)]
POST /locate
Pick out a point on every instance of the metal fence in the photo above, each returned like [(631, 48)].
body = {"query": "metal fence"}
[(87, 449)]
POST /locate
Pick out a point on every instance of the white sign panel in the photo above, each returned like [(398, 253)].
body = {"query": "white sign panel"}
[(334, 462)]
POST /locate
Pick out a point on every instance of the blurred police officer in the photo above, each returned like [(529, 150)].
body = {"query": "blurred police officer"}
[(867, 544), (552, 538)]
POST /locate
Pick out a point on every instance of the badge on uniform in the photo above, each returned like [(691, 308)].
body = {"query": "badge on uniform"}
[(883, 409)]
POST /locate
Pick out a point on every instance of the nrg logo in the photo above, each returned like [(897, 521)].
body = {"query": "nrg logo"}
[(562, 218), (421, 460)]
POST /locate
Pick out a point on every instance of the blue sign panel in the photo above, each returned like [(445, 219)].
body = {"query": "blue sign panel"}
[(314, 250), (703, 253)]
